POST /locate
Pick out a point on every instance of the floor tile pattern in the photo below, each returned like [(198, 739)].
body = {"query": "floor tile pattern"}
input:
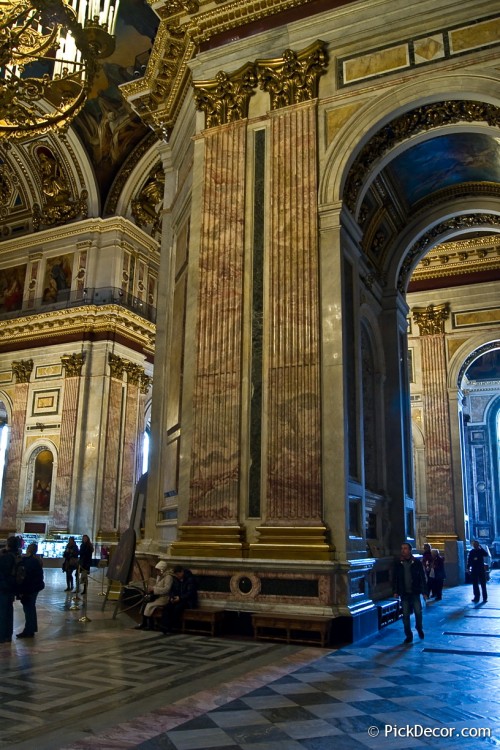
[(103, 686)]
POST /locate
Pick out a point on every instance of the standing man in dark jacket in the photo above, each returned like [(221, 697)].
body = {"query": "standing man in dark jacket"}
[(183, 595), (28, 589), (409, 584), (476, 562), (8, 563)]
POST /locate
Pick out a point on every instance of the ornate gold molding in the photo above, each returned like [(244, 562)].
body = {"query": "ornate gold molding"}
[(225, 98), (134, 373), (457, 258), (72, 364), (209, 541), (22, 370), (430, 319), (105, 320), (293, 78), (146, 383), (117, 365), (146, 206), (292, 543)]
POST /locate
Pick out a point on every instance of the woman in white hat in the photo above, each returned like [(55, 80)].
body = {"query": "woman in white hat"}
[(159, 593)]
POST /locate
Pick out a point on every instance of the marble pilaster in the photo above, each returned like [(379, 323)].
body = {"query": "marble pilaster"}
[(215, 470), (440, 496), (72, 367), (130, 438), (22, 371), (109, 504)]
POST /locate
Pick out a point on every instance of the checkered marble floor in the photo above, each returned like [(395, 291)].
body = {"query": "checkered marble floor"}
[(102, 686)]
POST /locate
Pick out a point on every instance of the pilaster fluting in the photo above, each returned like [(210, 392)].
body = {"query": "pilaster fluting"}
[(293, 428), (22, 371), (130, 442), (72, 365), (215, 471), (109, 502), (440, 500)]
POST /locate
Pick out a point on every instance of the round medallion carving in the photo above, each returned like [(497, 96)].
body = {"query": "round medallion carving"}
[(245, 585)]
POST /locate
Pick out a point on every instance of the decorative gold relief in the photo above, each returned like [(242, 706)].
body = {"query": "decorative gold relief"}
[(72, 364), (294, 78), (146, 207), (116, 365), (430, 320), (225, 98), (58, 206), (22, 370), (146, 383), (175, 6), (134, 373)]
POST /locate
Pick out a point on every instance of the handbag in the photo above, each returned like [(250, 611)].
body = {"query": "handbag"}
[(150, 597)]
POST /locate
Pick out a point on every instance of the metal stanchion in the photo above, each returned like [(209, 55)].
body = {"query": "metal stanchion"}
[(76, 598), (102, 564), (85, 580)]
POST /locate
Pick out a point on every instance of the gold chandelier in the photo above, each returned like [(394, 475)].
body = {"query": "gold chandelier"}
[(48, 60)]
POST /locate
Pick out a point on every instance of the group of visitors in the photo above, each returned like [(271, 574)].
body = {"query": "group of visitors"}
[(414, 578), (78, 560), (21, 577), (174, 591)]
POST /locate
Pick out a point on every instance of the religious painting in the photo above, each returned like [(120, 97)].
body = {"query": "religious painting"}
[(57, 279), (42, 484), (12, 288), (107, 125)]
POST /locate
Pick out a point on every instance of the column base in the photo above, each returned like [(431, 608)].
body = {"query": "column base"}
[(209, 541), (438, 541), (107, 537), (292, 543)]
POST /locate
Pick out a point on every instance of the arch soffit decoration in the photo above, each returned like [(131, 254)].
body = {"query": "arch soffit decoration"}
[(136, 180), (7, 402), (359, 130), (466, 354)]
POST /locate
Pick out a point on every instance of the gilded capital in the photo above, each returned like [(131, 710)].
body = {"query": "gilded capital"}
[(134, 373), (72, 364), (116, 365), (430, 320), (22, 370), (225, 98), (146, 382), (293, 78)]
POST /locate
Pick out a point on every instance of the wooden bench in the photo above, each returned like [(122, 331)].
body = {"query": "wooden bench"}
[(388, 611), (292, 628), (201, 620)]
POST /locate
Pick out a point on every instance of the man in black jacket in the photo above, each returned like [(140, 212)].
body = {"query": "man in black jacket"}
[(476, 566), (183, 595), (410, 584), (28, 589), (8, 563)]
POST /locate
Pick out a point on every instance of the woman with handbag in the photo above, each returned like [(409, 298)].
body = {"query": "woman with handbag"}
[(157, 595), (70, 562)]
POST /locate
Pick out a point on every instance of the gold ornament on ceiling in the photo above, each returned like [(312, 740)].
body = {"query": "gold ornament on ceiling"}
[(48, 60)]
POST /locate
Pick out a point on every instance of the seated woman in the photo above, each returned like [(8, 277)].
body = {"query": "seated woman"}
[(160, 592)]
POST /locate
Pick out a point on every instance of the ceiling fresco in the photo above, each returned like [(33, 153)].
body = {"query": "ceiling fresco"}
[(444, 161), (107, 125)]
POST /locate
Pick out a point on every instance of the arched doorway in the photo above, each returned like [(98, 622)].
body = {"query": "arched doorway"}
[(419, 177)]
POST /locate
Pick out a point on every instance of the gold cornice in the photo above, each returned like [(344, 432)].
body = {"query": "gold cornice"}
[(180, 24), (138, 238), (110, 319), (458, 258)]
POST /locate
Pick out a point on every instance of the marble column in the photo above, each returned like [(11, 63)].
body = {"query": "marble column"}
[(108, 522), (72, 364), (212, 522), (293, 513), (440, 486), (22, 370), (130, 443)]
